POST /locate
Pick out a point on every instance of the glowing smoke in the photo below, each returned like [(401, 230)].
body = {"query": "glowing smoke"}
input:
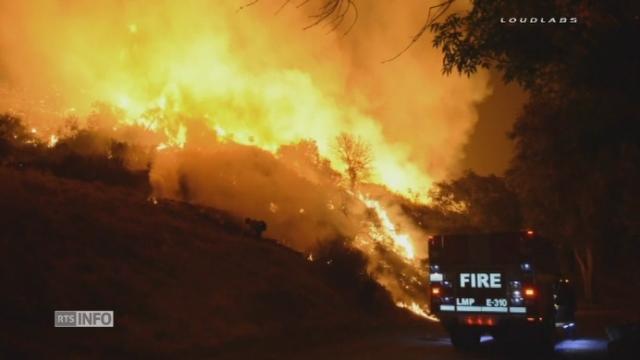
[(251, 74), (219, 91)]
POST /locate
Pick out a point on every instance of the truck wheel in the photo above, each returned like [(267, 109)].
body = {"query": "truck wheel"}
[(465, 338), (572, 332), (546, 336)]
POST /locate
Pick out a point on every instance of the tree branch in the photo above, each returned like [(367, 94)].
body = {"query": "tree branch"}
[(332, 11), (440, 9)]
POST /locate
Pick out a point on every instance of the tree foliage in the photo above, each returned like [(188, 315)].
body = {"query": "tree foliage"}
[(14, 136), (305, 159), (576, 167), (577, 140), (474, 203), (598, 51), (82, 154)]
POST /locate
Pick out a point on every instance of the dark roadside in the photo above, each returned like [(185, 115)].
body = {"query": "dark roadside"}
[(428, 340), (183, 281)]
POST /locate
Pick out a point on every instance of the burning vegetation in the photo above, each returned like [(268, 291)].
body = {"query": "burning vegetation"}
[(243, 126), (332, 209), (202, 99)]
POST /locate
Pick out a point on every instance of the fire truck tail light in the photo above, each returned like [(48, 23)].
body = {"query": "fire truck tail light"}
[(529, 292), (480, 320)]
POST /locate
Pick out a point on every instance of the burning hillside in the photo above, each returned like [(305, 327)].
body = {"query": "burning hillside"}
[(183, 280), (239, 109)]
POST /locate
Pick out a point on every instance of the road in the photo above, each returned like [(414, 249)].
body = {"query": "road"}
[(431, 342), (414, 344), (411, 346)]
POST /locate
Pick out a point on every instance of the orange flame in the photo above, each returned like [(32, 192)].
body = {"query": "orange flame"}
[(400, 241), (173, 65)]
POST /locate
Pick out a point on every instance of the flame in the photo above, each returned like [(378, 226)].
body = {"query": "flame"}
[(53, 140), (169, 66), (281, 96), (183, 69), (416, 309), (400, 241), (405, 279)]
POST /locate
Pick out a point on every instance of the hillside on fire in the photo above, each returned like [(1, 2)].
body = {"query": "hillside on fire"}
[(228, 179), (181, 279), (80, 228)]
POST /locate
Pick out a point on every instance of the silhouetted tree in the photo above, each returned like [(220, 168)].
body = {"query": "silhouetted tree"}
[(304, 157), (345, 268), (356, 154), (475, 203), (13, 135), (594, 53), (576, 142), (575, 172)]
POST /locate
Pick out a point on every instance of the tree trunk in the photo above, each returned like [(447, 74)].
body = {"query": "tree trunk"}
[(585, 262)]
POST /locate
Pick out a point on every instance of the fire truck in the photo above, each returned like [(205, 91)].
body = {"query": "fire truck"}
[(507, 285)]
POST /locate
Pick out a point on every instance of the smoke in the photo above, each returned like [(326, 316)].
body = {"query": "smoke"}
[(251, 74), (244, 105), (254, 183)]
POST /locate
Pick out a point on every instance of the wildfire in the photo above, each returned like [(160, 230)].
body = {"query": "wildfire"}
[(401, 241), (53, 140), (194, 73), (228, 124), (401, 278), (416, 309), (169, 67)]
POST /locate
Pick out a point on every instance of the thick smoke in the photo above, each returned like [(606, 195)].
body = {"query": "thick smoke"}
[(244, 105), (251, 73), (248, 181)]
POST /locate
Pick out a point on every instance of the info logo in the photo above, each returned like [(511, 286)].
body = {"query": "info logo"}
[(93, 318)]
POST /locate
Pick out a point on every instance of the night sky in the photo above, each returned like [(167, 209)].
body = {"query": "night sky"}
[(489, 150)]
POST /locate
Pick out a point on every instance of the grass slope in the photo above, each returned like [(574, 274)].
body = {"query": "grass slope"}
[(181, 279)]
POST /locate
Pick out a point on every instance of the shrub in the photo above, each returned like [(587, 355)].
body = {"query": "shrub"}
[(345, 269), (83, 155), (13, 136)]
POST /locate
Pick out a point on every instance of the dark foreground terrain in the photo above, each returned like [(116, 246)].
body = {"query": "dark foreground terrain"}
[(182, 280), (429, 341), (189, 282)]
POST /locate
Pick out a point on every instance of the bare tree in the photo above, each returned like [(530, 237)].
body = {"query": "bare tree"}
[(356, 154)]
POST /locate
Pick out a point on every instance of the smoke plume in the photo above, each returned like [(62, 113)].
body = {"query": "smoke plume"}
[(243, 105), (251, 74)]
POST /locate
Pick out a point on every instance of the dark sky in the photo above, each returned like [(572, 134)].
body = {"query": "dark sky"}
[(489, 150)]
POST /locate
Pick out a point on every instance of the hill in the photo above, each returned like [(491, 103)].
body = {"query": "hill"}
[(181, 279)]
